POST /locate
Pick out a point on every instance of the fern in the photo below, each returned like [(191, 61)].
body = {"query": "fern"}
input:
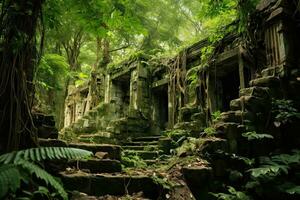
[(43, 175), (22, 162), (9, 179), (44, 153)]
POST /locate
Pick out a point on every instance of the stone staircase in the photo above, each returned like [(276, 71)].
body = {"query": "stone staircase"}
[(147, 148), (100, 175)]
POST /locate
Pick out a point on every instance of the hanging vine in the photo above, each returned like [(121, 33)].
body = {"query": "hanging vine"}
[(18, 58)]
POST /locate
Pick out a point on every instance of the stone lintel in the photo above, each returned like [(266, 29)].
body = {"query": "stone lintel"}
[(160, 83)]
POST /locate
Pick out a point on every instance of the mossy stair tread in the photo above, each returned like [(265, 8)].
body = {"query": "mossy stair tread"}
[(152, 147), (146, 155), (147, 138), (114, 151), (140, 143), (98, 165), (108, 184)]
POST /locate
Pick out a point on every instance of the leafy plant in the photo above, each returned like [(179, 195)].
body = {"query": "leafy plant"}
[(233, 195), (190, 146), (17, 166), (133, 160), (210, 131), (216, 115), (252, 135), (284, 111)]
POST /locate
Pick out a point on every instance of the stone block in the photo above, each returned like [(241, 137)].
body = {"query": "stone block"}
[(199, 180), (262, 92), (98, 165), (114, 151)]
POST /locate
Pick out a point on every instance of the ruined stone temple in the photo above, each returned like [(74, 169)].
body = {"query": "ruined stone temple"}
[(141, 97), (129, 107)]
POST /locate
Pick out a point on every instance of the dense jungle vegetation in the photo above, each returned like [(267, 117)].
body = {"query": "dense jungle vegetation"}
[(46, 45)]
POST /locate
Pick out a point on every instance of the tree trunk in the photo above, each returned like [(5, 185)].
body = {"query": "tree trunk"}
[(18, 58)]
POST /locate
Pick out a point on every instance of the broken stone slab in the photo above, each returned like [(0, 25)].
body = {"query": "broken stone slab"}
[(101, 155), (250, 103), (211, 145), (98, 165), (114, 151), (268, 81), (147, 138), (236, 116), (262, 92), (140, 143), (137, 148), (199, 179), (145, 155), (119, 185)]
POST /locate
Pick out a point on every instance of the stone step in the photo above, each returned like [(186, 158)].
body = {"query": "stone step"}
[(149, 147), (262, 92), (118, 184), (98, 165), (268, 81), (145, 155), (140, 143), (199, 180), (277, 70), (114, 151), (250, 103), (236, 116), (147, 138)]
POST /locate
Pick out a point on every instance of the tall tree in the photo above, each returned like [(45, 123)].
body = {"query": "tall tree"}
[(18, 58)]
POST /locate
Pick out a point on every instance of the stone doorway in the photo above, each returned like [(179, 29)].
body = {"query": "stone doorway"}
[(229, 89), (160, 111)]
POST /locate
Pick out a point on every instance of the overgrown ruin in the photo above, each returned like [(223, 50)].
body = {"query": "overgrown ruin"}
[(139, 100)]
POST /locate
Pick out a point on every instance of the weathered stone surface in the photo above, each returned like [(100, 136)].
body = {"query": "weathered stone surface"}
[(114, 151), (236, 116), (146, 155), (140, 143), (269, 81), (250, 103), (100, 185), (147, 138), (165, 145), (262, 92), (199, 180), (211, 145), (101, 155), (98, 165)]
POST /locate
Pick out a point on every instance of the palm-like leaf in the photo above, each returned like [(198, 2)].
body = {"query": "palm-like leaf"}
[(44, 153), (13, 164)]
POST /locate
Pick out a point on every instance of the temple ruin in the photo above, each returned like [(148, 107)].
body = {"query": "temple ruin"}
[(141, 97)]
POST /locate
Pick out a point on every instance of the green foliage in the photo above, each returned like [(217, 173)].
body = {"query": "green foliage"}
[(178, 136), (210, 131), (233, 195), (216, 115), (17, 166), (133, 160), (190, 146), (162, 181), (52, 72), (284, 111), (252, 135), (276, 165)]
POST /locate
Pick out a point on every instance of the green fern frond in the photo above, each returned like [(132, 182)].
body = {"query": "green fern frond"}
[(43, 175), (9, 179), (44, 153)]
